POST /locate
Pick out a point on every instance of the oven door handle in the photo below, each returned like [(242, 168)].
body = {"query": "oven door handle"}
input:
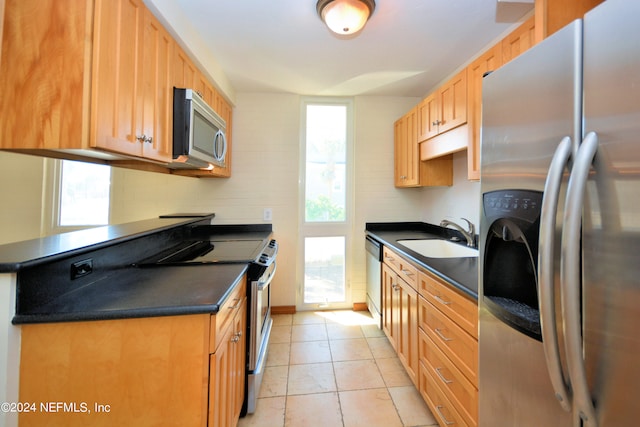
[(262, 285)]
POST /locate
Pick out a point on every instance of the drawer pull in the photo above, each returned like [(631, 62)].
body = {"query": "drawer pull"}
[(407, 272), (390, 258), (395, 287), (439, 332), (441, 301), (233, 307), (442, 377), (441, 415)]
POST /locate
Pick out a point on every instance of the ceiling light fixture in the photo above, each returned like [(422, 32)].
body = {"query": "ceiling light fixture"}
[(345, 17)]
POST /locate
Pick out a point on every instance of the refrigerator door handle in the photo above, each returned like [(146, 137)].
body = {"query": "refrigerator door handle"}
[(546, 255), (570, 271)]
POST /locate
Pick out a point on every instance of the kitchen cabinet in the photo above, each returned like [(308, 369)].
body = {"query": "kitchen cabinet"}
[(409, 170), (434, 330), (400, 309), (488, 61), (519, 40), (131, 84), (448, 351), (187, 370), (551, 15), (226, 389), (99, 78), (444, 109)]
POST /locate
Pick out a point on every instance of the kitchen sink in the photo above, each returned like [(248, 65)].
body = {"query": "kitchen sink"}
[(436, 248)]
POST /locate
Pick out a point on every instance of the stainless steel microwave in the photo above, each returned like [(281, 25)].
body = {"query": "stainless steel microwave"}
[(199, 133)]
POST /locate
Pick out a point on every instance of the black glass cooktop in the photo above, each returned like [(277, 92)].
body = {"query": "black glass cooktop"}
[(207, 252)]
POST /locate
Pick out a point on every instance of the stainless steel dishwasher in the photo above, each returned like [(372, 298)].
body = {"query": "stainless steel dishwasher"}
[(374, 279)]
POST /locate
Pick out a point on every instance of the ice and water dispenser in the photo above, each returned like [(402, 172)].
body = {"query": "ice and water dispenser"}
[(510, 290)]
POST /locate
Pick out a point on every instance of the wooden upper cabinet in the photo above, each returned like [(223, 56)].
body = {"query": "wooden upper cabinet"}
[(117, 78), (131, 82), (518, 41), (444, 109), (184, 72), (406, 159), (551, 15), (44, 60), (157, 115), (409, 170), (488, 61)]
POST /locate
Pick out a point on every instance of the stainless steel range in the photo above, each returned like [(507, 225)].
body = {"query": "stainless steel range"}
[(261, 255)]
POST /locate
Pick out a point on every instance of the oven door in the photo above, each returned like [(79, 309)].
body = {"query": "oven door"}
[(259, 331), (260, 316)]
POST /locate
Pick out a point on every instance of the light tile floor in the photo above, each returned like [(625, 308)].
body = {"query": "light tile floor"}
[(331, 369)]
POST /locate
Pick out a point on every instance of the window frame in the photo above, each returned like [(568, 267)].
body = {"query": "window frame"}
[(52, 199)]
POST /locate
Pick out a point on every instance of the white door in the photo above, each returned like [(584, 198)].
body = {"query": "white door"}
[(326, 203)]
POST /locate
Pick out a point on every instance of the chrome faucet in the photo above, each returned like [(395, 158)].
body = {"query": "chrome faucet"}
[(468, 234)]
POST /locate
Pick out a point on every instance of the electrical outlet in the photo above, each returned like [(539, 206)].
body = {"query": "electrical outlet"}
[(267, 214)]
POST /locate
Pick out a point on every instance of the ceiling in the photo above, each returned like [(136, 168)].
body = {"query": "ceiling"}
[(407, 47)]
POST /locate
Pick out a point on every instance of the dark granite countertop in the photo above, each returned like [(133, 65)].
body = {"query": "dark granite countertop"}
[(461, 273), (14, 256), (143, 292), (116, 287)]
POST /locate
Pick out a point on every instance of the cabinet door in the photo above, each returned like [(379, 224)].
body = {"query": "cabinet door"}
[(389, 302), (116, 94), (406, 153), (157, 100), (428, 117), (452, 100), (184, 72), (227, 370), (518, 41), (408, 329), (488, 61)]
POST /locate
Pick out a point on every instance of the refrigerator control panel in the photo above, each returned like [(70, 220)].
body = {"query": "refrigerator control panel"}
[(520, 204)]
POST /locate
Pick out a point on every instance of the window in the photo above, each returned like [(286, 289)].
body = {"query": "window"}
[(84, 194), (326, 211)]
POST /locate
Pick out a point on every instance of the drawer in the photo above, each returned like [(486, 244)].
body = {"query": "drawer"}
[(456, 387), (460, 347), (224, 318), (456, 306), (402, 267), (443, 410)]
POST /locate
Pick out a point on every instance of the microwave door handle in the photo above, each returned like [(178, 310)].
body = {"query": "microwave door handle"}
[(546, 271), (220, 137), (570, 272)]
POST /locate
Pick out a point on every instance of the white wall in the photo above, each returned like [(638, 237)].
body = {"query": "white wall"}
[(266, 150)]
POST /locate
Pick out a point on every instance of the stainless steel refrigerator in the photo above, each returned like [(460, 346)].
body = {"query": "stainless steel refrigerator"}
[(559, 292)]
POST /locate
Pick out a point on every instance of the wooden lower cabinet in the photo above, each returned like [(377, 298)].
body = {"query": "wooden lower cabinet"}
[(434, 330), (226, 388), (155, 371), (400, 319)]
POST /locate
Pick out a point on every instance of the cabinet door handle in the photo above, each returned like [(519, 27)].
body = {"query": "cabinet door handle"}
[(442, 377), (441, 415), (144, 138), (439, 332), (440, 300)]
